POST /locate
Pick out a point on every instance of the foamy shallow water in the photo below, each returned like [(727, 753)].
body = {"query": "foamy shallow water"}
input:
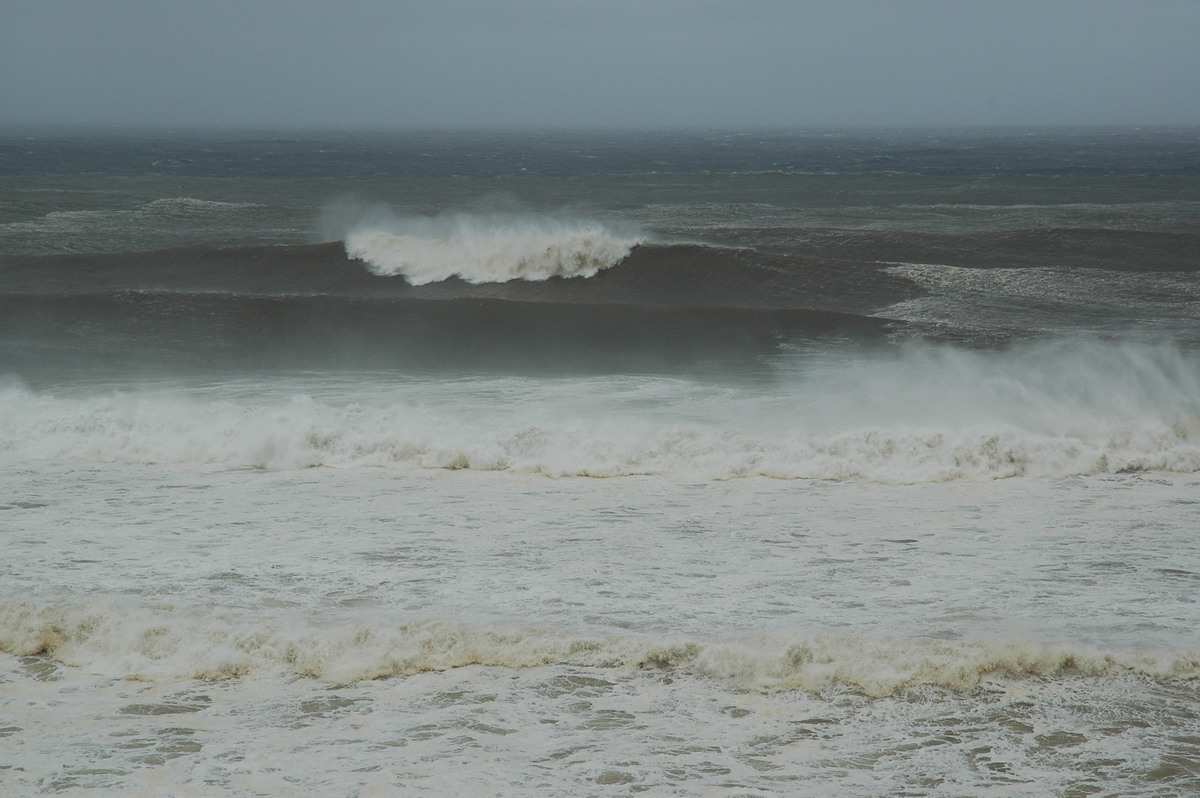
[(197, 629), (936, 573)]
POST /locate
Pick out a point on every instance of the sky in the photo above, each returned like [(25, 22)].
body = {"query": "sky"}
[(397, 64)]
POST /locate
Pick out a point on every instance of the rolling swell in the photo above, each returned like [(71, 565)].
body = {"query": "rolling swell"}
[(656, 275), (664, 306), (314, 331), (1090, 248)]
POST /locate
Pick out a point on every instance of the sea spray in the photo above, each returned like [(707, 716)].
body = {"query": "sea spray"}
[(923, 416), (488, 248)]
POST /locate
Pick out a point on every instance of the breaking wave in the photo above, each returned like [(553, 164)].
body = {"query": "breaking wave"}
[(487, 249), (305, 433), (164, 644), (930, 416)]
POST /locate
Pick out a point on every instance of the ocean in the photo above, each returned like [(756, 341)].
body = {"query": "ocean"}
[(598, 463)]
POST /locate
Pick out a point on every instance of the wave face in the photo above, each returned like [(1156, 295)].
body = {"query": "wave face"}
[(648, 276), (542, 297), (491, 249), (173, 333)]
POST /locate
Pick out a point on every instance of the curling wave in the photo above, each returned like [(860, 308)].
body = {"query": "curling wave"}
[(487, 249)]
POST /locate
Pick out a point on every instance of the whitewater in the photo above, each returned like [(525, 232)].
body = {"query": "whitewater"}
[(921, 416), (583, 476), (487, 249)]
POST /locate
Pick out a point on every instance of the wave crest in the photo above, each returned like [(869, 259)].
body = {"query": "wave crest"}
[(305, 433), (481, 249), (928, 416)]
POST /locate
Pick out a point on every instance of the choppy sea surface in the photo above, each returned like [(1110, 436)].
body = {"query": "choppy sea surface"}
[(808, 463)]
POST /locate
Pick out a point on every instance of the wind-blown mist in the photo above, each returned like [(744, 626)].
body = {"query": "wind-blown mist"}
[(485, 248), (931, 415)]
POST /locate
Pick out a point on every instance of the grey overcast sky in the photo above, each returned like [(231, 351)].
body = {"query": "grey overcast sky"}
[(609, 63)]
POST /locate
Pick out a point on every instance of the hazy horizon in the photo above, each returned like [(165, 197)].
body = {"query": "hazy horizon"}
[(370, 65), (300, 129)]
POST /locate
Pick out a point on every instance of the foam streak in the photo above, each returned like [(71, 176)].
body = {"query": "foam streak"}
[(164, 644)]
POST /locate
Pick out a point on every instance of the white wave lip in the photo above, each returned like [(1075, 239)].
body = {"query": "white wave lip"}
[(488, 249), (159, 644)]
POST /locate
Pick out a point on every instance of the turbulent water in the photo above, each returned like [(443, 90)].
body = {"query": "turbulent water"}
[(817, 463)]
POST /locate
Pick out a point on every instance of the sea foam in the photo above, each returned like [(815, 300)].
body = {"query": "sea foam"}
[(487, 249), (305, 432), (928, 416), (164, 643)]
